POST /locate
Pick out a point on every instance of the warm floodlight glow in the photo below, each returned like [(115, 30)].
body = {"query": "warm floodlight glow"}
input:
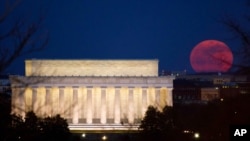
[(83, 135), (104, 138), (186, 131), (196, 135)]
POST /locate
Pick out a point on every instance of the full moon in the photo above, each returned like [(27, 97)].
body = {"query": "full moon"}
[(211, 56)]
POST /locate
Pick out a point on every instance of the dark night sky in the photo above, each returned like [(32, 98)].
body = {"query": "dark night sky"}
[(128, 29)]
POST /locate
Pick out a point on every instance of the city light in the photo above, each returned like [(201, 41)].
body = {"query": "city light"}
[(187, 131), (104, 138), (83, 135), (196, 135)]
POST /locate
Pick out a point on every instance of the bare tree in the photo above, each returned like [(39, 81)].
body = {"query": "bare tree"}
[(17, 37), (240, 32), (21, 38)]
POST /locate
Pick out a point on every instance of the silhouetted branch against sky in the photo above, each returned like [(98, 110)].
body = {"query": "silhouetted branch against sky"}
[(9, 7), (240, 33), (19, 37)]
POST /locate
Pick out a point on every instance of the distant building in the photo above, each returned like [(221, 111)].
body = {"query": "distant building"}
[(235, 87), (203, 88), (173, 73), (93, 95), (209, 93)]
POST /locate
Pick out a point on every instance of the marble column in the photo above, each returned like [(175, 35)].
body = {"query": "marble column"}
[(75, 105), (48, 103), (170, 97), (34, 99), (103, 106), (61, 101), (157, 98), (82, 104), (15, 100), (144, 101), (131, 106), (117, 106), (55, 108), (89, 106), (22, 101)]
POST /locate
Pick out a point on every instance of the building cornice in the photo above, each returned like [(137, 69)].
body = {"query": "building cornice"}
[(88, 81)]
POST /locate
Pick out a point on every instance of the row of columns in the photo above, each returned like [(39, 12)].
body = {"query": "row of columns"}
[(95, 105)]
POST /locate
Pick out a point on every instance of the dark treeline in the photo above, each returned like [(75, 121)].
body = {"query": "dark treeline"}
[(210, 121), (31, 128)]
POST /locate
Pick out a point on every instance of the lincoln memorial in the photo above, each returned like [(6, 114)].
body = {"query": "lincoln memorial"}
[(91, 95)]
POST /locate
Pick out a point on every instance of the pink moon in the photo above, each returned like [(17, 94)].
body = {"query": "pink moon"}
[(211, 56)]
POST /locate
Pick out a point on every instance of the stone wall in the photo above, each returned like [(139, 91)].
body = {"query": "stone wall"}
[(91, 67)]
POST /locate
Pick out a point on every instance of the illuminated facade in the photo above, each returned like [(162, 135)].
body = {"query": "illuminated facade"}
[(91, 94)]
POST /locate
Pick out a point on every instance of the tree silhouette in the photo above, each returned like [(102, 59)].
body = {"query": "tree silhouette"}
[(158, 125), (241, 32), (33, 128), (5, 117), (54, 128), (18, 37)]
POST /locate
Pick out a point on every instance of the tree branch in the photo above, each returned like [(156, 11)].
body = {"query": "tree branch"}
[(22, 38)]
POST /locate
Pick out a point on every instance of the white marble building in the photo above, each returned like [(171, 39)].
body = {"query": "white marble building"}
[(91, 94)]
